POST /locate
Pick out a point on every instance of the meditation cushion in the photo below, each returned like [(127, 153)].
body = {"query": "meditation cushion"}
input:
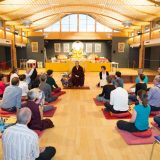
[(121, 115), (154, 113), (147, 133)]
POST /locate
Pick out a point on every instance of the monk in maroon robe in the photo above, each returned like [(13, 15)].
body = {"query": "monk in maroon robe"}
[(77, 75)]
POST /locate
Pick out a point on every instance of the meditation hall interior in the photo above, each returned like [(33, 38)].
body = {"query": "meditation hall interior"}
[(79, 80)]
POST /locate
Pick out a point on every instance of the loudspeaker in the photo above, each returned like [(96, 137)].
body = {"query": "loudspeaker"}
[(139, 33)]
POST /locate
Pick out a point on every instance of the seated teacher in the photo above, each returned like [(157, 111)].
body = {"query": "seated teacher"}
[(140, 116), (77, 75)]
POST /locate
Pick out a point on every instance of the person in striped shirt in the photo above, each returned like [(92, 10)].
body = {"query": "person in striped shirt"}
[(21, 143)]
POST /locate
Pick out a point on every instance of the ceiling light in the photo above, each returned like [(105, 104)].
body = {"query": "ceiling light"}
[(126, 24), (27, 23)]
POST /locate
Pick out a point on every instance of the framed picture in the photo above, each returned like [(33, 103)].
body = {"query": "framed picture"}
[(66, 48), (57, 47), (88, 47), (121, 47), (97, 47), (34, 46)]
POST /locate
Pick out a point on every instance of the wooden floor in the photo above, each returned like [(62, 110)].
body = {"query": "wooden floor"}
[(82, 133), (124, 71)]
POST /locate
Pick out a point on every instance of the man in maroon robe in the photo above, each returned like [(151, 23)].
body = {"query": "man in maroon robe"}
[(77, 75)]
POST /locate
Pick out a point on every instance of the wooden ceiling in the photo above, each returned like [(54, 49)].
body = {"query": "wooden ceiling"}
[(111, 13)]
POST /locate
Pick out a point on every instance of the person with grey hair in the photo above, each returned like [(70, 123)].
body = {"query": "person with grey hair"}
[(46, 88), (118, 99), (11, 100), (37, 122), (24, 141), (154, 95)]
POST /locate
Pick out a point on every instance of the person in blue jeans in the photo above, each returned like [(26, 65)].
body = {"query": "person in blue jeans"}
[(140, 117)]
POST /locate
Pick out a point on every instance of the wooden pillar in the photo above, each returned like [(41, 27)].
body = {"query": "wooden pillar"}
[(142, 50), (21, 35), (150, 31), (13, 49), (4, 29)]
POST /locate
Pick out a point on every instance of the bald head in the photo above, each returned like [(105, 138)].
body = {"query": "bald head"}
[(24, 116)]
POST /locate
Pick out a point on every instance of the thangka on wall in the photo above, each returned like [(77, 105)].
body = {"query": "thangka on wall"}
[(66, 48), (97, 48), (121, 47), (34, 46), (57, 47), (88, 47)]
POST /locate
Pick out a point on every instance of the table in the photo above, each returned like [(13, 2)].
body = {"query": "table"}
[(68, 65), (114, 65)]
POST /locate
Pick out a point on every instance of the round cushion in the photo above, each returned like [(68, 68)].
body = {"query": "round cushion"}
[(154, 113), (143, 134), (121, 115)]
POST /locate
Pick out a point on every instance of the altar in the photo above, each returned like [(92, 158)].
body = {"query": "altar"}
[(66, 66), (65, 62)]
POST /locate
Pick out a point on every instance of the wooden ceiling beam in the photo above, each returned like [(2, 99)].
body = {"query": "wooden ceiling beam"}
[(75, 5), (155, 2)]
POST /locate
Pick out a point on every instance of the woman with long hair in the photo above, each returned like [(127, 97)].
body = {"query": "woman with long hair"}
[(139, 121)]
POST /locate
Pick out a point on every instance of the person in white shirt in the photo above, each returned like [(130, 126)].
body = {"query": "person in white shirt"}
[(14, 73), (103, 75), (21, 143), (23, 84), (28, 74), (118, 100)]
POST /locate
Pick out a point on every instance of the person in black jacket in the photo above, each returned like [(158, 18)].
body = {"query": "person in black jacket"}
[(105, 95), (103, 75), (34, 79), (139, 86)]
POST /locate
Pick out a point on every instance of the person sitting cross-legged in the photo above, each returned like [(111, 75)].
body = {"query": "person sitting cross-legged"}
[(154, 95), (23, 85), (21, 143), (105, 95), (77, 75), (14, 73), (118, 99), (11, 100), (37, 122), (52, 82), (138, 79), (140, 117), (119, 78), (103, 76), (138, 86), (2, 85), (46, 88)]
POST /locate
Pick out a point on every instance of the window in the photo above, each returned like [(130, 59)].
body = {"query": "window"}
[(102, 28), (78, 23), (53, 28)]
